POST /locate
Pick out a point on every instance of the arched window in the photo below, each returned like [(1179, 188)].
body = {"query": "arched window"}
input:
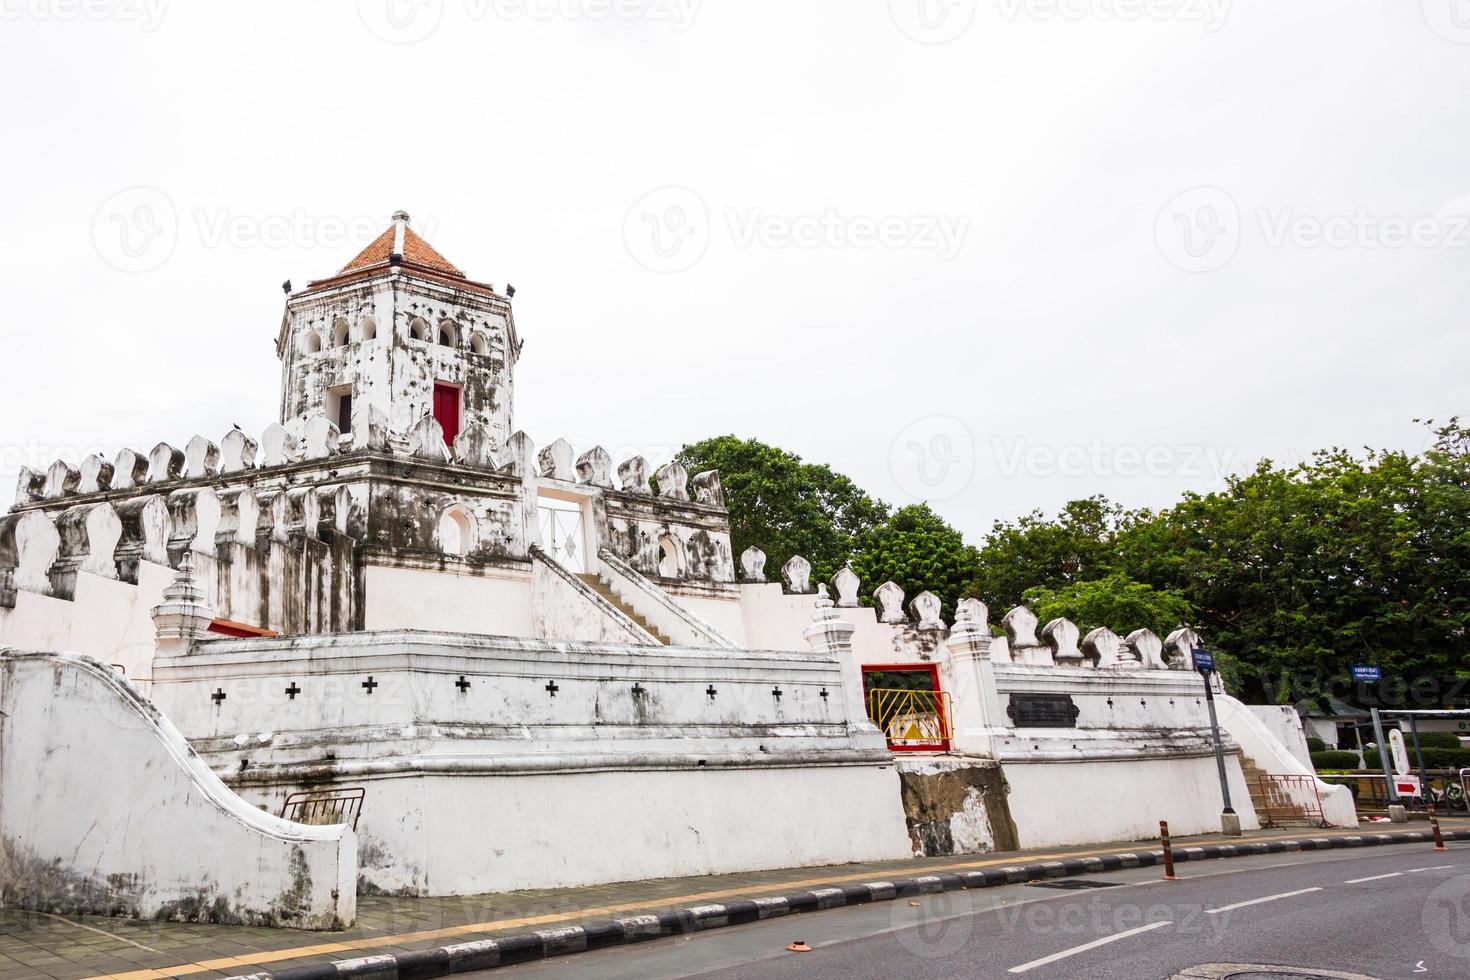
[(449, 333), (478, 344), (313, 342), (668, 562), (369, 328), (339, 332), (418, 329), (456, 532)]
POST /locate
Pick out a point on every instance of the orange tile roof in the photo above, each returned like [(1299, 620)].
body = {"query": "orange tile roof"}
[(418, 257), (416, 251)]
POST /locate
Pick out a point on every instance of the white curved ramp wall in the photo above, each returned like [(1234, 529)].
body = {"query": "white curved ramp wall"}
[(105, 809), (1270, 755)]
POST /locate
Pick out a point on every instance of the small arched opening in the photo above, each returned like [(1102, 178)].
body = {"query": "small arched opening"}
[(456, 532), (668, 558), (313, 342), (369, 328), (479, 344), (449, 334), (340, 329), (418, 329)]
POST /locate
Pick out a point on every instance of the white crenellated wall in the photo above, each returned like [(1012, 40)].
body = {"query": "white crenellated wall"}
[(106, 810), (106, 618), (493, 763)]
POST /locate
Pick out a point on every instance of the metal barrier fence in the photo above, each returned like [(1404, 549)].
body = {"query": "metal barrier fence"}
[(913, 721), (325, 807), (1293, 798)]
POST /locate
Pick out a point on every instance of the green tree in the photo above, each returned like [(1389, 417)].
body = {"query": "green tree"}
[(1037, 552), (786, 506), (1116, 601), (917, 550), (1346, 558)]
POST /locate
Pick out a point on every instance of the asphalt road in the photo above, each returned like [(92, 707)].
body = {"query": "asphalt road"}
[(1385, 913)]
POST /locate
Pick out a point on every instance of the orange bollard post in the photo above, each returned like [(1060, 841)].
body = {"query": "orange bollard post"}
[(1168, 852), (1434, 823)]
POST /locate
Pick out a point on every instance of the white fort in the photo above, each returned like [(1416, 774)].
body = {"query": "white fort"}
[(390, 646)]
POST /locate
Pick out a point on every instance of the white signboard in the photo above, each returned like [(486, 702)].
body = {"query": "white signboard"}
[(1398, 753)]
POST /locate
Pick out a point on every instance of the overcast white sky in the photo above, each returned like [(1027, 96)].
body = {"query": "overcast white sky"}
[(957, 249)]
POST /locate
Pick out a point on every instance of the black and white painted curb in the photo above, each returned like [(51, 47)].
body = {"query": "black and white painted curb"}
[(485, 954)]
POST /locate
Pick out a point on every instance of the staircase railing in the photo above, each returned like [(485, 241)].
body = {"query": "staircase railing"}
[(325, 807), (659, 608), (637, 633)]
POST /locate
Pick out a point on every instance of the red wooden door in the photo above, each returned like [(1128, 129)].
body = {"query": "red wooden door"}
[(446, 410)]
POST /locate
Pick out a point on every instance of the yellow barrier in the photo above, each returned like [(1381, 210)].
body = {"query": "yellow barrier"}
[(911, 720)]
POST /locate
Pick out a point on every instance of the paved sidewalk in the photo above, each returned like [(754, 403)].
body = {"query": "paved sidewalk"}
[(39, 946)]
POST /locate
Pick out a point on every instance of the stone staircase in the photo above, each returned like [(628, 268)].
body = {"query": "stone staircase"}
[(596, 584), (1278, 815)]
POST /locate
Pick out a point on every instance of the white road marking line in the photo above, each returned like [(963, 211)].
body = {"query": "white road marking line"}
[(1437, 867), (1259, 901), (1359, 881), (1024, 967)]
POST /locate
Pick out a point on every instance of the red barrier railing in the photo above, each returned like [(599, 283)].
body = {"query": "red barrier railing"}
[(1293, 798)]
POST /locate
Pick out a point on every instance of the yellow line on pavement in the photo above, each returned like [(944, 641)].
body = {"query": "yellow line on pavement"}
[(699, 898)]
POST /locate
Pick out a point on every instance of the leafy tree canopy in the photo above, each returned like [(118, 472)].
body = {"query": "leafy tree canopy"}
[(1291, 573), (1115, 601), (785, 506), (916, 549)]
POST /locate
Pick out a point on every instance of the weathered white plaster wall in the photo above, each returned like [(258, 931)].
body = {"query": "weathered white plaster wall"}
[(106, 619), (723, 612), (486, 787), (104, 809), (1282, 721), (456, 597), (771, 619), (1095, 801), (394, 373)]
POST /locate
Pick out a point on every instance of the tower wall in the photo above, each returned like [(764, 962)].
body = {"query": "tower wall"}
[(387, 341)]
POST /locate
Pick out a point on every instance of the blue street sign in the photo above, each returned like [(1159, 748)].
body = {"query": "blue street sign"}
[(1203, 659), (1367, 672)]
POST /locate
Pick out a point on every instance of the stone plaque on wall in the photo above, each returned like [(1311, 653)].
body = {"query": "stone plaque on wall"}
[(1042, 711)]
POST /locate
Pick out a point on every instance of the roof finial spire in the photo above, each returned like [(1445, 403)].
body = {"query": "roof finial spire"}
[(400, 229)]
